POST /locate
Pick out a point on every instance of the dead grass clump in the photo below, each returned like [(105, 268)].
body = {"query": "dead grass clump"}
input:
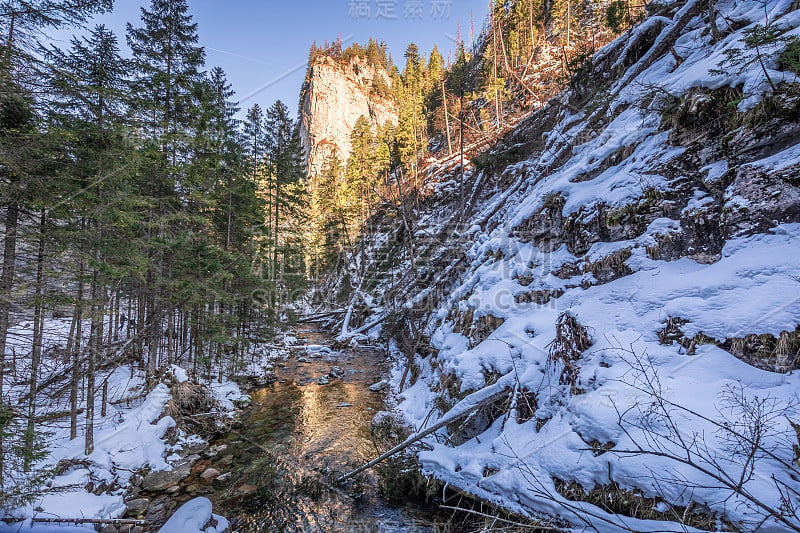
[(524, 280), (781, 354), (541, 297), (572, 339), (701, 114), (400, 480), (599, 448), (568, 271), (610, 267), (672, 333), (483, 327), (527, 404), (634, 503), (462, 320), (195, 410)]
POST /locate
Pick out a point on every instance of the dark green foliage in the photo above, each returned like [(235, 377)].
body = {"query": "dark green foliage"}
[(141, 175), (380, 88), (375, 54), (286, 171), (790, 57), (21, 484), (167, 59), (620, 16), (761, 42)]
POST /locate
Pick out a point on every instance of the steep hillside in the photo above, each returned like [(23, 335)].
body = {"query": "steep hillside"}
[(604, 307), (334, 97)]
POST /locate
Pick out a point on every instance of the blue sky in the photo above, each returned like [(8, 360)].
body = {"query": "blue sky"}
[(263, 45)]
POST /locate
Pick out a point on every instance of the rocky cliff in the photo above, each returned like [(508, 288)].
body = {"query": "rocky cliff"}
[(334, 97)]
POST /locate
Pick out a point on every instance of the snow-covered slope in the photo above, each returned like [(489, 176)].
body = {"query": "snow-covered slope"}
[(631, 283)]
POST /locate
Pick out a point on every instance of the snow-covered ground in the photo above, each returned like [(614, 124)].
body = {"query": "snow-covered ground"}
[(131, 436), (126, 441)]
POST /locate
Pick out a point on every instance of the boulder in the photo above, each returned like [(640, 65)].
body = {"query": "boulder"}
[(242, 402), (245, 490), (137, 507), (210, 474), (379, 386), (164, 479)]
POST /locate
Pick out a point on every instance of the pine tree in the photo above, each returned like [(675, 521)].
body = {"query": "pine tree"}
[(87, 122), (285, 159), (361, 175), (167, 64), (21, 23), (254, 139)]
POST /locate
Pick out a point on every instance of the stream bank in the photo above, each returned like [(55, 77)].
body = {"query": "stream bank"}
[(274, 471)]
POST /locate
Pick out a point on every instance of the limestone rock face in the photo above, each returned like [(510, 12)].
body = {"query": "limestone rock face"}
[(335, 96)]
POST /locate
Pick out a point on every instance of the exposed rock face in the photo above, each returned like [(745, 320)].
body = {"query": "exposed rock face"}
[(335, 97)]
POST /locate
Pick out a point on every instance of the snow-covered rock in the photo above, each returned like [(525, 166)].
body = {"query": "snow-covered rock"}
[(195, 516)]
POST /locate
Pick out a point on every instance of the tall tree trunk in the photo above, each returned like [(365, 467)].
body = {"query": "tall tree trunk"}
[(6, 284), (95, 348), (36, 351), (75, 353), (170, 327), (446, 120), (275, 231)]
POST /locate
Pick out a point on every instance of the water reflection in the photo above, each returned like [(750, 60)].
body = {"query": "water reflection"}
[(294, 439)]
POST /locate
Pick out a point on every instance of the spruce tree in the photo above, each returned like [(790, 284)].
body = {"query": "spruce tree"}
[(87, 122), (254, 139), (285, 157), (21, 25), (167, 63)]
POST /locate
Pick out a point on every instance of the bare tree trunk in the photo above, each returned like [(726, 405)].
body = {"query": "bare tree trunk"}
[(712, 20), (70, 339), (170, 327), (6, 284), (95, 345), (569, 21), (75, 354), (275, 231), (446, 120), (36, 351), (153, 320), (113, 330), (104, 404)]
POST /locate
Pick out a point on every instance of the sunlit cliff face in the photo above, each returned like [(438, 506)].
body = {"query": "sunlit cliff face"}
[(336, 97)]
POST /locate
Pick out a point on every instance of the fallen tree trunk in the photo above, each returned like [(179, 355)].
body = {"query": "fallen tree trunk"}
[(129, 399), (366, 327), (459, 411), (320, 316), (97, 521), (55, 415)]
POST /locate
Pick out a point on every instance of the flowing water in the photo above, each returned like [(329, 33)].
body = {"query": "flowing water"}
[(294, 439)]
